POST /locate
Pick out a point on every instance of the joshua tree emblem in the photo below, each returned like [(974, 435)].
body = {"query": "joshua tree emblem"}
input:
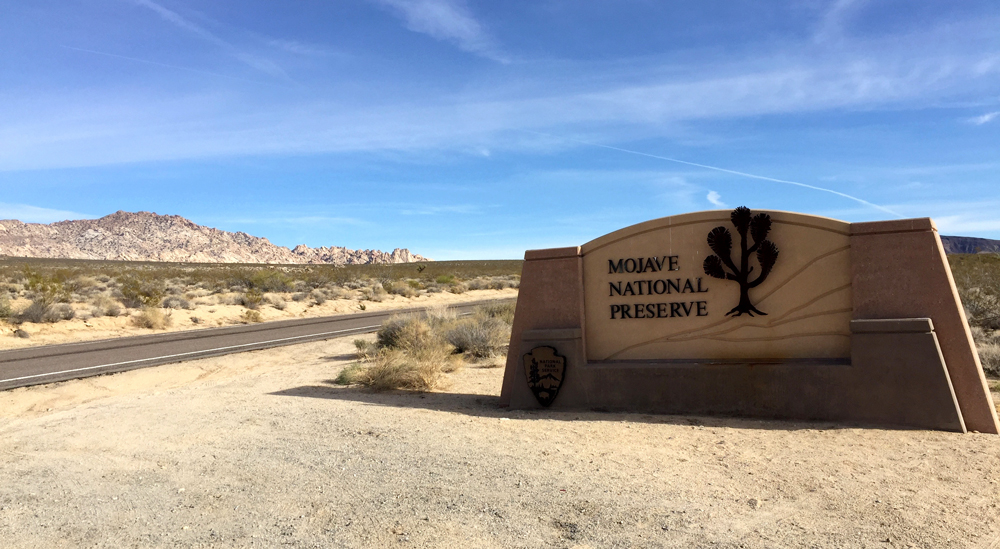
[(721, 242)]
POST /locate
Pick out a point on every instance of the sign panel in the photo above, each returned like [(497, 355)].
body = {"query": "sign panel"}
[(720, 285)]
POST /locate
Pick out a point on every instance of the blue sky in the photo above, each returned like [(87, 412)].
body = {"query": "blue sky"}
[(465, 129)]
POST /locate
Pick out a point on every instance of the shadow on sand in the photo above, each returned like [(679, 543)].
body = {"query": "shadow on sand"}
[(489, 406)]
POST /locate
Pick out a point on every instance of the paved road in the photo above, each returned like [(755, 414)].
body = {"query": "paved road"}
[(49, 363)]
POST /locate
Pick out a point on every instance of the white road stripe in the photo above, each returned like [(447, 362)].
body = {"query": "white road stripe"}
[(187, 354)]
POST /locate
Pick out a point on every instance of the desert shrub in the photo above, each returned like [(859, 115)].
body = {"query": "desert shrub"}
[(271, 280), (174, 289), (195, 320), (981, 307), (477, 284), (301, 296), (988, 344), (480, 336), (503, 310), (251, 316), (502, 284), (150, 318), (139, 292), (989, 355), (389, 370), (364, 348), (57, 312), (80, 284), (404, 290), (415, 284), (458, 288), (445, 279), (403, 332), (251, 299), (375, 293), (44, 289), (318, 296), (34, 312), (104, 306), (5, 308), (277, 302), (176, 302), (351, 374)]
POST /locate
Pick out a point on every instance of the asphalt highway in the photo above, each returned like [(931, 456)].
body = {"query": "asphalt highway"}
[(50, 363)]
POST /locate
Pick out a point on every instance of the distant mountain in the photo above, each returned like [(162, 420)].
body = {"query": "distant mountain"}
[(969, 245), (145, 236)]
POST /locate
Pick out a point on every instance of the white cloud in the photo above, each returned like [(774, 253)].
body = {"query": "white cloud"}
[(983, 119), (34, 214), (715, 199), (447, 20)]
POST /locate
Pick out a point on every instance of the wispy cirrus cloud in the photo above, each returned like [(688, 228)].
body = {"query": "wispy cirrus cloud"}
[(255, 61), (437, 210), (447, 20), (984, 119), (36, 214)]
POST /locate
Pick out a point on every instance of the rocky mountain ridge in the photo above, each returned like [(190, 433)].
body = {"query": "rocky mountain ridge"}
[(146, 236), (969, 245)]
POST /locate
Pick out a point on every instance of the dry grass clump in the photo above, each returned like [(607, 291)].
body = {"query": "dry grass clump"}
[(414, 352), (150, 318)]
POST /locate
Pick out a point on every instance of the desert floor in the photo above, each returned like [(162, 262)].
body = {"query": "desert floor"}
[(261, 450), (211, 314)]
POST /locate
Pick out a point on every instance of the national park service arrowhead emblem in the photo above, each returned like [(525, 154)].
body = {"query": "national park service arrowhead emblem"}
[(545, 371)]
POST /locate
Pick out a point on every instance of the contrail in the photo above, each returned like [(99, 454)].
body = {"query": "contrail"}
[(724, 170), (158, 64)]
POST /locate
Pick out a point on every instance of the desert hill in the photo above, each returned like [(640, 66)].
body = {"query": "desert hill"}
[(969, 245), (146, 236)]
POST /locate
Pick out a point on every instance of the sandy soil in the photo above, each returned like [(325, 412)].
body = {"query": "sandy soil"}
[(261, 450), (214, 314)]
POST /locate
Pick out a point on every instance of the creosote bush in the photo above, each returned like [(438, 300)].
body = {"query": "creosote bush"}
[(251, 299), (139, 292)]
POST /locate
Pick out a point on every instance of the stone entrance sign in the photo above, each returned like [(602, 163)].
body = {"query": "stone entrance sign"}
[(757, 313)]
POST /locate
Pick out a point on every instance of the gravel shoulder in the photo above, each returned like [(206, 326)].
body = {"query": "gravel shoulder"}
[(260, 449)]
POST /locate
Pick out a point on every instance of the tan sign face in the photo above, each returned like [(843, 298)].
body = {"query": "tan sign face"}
[(720, 285)]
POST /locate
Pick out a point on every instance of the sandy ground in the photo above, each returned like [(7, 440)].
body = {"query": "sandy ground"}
[(261, 450), (212, 315)]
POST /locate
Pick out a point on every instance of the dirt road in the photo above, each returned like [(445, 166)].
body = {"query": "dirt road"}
[(260, 450)]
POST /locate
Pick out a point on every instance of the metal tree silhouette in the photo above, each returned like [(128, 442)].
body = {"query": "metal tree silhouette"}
[(720, 240)]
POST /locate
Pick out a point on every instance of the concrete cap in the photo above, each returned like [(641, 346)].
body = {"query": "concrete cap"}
[(892, 326), (552, 253), (894, 226)]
